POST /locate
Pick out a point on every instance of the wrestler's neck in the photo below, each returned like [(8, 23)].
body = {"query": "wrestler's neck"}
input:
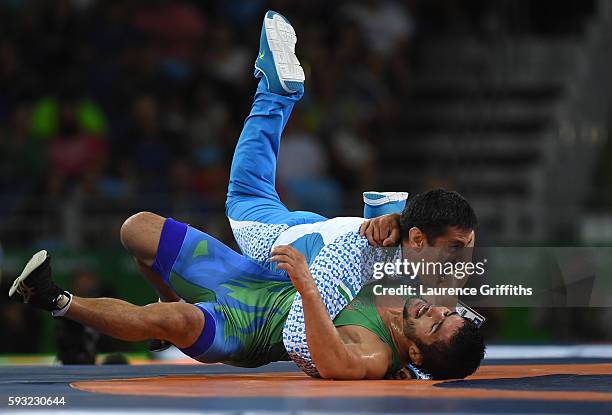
[(391, 315)]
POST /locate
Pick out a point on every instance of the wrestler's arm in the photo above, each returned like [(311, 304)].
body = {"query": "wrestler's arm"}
[(354, 354)]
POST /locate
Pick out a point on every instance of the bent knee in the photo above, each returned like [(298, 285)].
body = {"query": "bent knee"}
[(140, 234), (179, 323)]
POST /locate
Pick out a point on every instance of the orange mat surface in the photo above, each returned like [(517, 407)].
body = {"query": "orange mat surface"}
[(292, 384)]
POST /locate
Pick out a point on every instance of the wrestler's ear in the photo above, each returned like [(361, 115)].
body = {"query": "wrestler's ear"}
[(415, 355), (416, 239)]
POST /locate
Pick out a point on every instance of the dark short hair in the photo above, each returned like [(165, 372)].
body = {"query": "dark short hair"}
[(434, 211), (457, 358)]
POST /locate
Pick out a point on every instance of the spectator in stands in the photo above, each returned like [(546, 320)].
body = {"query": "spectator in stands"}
[(75, 156), (22, 158), (303, 171), (168, 80), (148, 145), (398, 26)]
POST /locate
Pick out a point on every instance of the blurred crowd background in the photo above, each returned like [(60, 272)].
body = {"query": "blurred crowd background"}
[(111, 107)]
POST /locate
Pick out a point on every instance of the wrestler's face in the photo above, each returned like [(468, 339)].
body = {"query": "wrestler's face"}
[(426, 324), (451, 246)]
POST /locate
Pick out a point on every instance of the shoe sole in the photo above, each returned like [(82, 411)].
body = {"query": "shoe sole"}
[(281, 41), (34, 262)]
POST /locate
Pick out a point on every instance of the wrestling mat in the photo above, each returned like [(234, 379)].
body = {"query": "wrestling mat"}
[(534, 386)]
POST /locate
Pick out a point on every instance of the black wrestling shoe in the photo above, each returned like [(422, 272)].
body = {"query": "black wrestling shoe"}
[(157, 345), (35, 286)]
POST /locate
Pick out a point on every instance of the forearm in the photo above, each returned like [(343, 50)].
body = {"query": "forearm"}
[(332, 357), (329, 353)]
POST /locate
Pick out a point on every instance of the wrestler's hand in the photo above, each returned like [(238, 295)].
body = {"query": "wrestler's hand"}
[(291, 260), (383, 230)]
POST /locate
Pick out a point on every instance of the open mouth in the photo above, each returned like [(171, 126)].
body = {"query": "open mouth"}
[(424, 309), (420, 308)]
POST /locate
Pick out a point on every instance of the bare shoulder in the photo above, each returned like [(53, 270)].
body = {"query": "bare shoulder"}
[(374, 354)]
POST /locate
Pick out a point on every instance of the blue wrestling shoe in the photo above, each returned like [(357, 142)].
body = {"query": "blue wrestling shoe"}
[(382, 203), (276, 60)]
